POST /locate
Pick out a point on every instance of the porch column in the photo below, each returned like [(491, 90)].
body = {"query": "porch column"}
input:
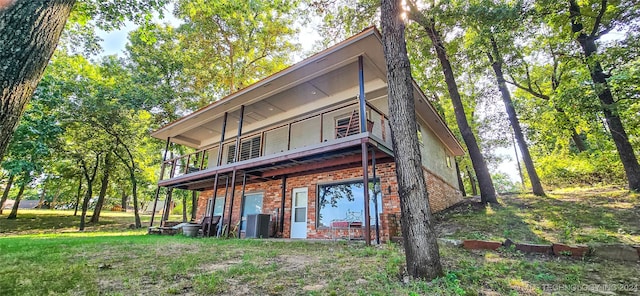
[(233, 193), (361, 98), (375, 194), (242, 201), (365, 179), (224, 203), (155, 200), (237, 154), (217, 175)]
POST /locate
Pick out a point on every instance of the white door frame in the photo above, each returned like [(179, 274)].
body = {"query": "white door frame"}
[(299, 229)]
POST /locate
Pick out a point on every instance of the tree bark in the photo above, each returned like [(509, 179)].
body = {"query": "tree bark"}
[(460, 182), (5, 194), (474, 189), (496, 63), (55, 198), (90, 177), (124, 201), (420, 244), (618, 133), (194, 206), (29, 34), (184, 208), (16, 204), (487, 190), (42, 196), (103, 190)]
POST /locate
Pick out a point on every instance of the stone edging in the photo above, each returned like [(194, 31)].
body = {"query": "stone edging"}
[(619, 252)]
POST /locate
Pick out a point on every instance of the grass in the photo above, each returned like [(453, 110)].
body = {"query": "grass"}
[(106, 262), (579, 216)]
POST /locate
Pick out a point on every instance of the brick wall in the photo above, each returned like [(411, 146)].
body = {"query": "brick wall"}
[(441, 196)]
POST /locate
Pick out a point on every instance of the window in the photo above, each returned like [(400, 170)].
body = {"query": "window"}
[(347, 126), (252, 205), (249, 148), (336, 201), (448, 161), (219, 207), (420, 141)]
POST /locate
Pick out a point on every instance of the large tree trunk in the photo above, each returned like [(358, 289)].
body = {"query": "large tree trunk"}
[(5, 194), (124, 200), (29, 34), (420, 243), (55, 198), (14, 209), (496, 64), (487, 190), (103, 190), (618, 133)]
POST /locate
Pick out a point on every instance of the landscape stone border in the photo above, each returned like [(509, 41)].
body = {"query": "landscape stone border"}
[(620, 252)]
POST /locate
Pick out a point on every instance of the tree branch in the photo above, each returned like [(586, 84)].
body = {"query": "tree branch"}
[(596, 24)]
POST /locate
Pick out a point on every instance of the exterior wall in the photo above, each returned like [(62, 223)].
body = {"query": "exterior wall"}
[(441, 196), (434, 157)]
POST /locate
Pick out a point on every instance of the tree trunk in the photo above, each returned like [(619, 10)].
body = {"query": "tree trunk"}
[(42, 196), (55, 198), (496, 64), (487, 190), (29, 34), (75, 210), (16, 204), (194, 205), (577, 140), (103, 190), (134, 185), (420, 244), (85, 204), (618, 133), (124, 200), (474, 190), (460, 183), (5, 194), (184, 208)]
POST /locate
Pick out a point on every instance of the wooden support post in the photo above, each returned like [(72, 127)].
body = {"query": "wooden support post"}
[(155, 200), (365, 179)]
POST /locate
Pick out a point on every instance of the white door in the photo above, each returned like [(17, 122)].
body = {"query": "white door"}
[(299, 213)]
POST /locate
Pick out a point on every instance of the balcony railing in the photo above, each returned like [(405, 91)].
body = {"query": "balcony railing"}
[(327, 126)]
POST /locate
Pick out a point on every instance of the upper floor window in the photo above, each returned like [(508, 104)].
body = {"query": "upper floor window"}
[(249, 148)]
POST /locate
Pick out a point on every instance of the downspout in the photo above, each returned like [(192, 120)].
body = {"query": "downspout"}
[(155, 202), (284, 192)]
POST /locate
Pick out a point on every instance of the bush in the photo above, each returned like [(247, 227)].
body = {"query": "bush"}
[(586, 168)]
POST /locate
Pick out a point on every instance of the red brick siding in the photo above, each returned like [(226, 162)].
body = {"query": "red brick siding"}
[(441, 196)]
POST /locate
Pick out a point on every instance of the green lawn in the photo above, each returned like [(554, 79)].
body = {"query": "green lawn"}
[(576, 216), (128, 262)]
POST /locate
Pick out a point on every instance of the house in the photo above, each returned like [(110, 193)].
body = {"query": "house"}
[(309, 138)]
